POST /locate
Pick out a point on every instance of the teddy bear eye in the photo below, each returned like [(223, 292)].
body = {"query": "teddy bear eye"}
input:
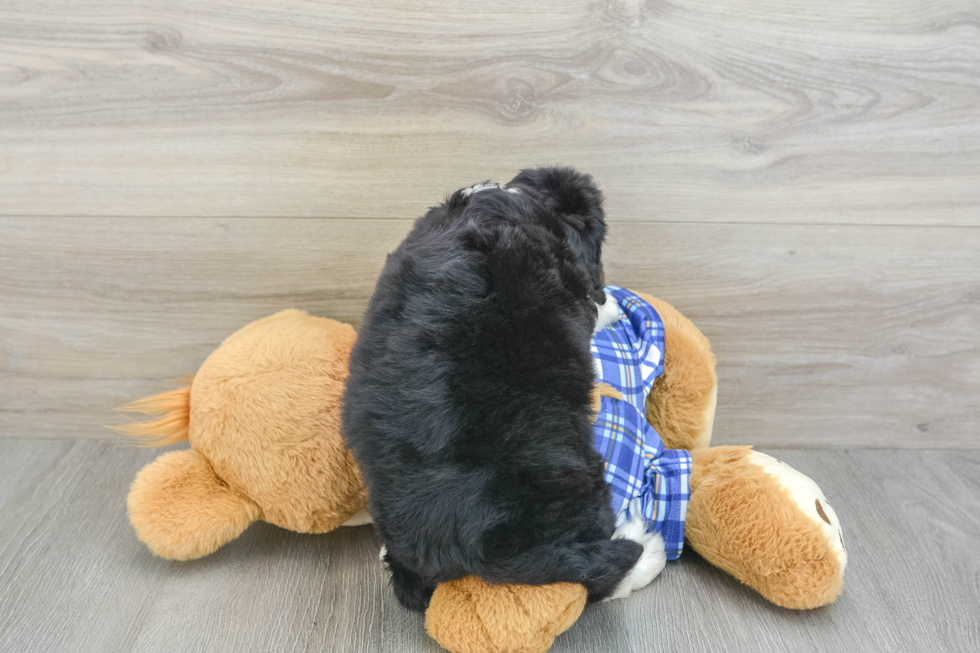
[(820, 512)]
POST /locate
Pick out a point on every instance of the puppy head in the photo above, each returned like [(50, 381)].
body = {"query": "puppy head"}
[(576, 201)]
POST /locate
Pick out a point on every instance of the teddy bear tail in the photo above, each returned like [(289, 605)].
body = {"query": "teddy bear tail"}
[(182, 510), (174, 409)]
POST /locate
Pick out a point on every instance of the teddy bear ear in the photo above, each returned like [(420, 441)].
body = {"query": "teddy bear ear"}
[(182, 510)]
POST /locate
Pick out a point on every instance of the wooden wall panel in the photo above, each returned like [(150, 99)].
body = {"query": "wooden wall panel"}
[(825, 335), (694, 110)]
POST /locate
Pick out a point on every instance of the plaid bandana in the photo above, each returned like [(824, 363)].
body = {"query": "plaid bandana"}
[(628, 355)]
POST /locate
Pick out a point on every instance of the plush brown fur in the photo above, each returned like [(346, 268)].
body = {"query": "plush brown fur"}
[(265, 411), (471, 616), (743, 522), (181, 510), (603, 390), (681, 406), (263, 419)]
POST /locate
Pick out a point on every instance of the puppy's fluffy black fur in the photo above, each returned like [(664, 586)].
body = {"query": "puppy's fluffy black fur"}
[(468, 401)]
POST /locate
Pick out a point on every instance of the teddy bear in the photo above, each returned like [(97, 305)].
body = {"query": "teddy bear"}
[(262, 416)]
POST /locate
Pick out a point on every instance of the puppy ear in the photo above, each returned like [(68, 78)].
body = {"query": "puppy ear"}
[(566, 191), (576, 201)]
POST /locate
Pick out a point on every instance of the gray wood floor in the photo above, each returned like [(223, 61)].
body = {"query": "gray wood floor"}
[(74, 578)]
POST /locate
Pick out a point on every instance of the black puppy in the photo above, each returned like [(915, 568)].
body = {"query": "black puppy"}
[(468, 405)]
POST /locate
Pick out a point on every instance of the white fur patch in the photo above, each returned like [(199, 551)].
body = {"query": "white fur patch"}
[(359, 518), (488, 186), (477, 188), (381, 556), (608, 313), (652, 560)]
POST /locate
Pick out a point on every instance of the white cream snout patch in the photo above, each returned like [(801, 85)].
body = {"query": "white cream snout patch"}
[(809, 499)]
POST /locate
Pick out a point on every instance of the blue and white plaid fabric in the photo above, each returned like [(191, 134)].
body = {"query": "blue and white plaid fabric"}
[(628, 355)]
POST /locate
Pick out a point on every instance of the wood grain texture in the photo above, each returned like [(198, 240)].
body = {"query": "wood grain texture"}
[(694, 110), (826, 336), (97, 312), (73, 577)]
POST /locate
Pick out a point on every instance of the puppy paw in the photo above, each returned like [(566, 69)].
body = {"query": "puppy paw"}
[(652, 560), (411, 590), (609, 313)]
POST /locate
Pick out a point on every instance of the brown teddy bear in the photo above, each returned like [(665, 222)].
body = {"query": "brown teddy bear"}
[(263, 419)]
